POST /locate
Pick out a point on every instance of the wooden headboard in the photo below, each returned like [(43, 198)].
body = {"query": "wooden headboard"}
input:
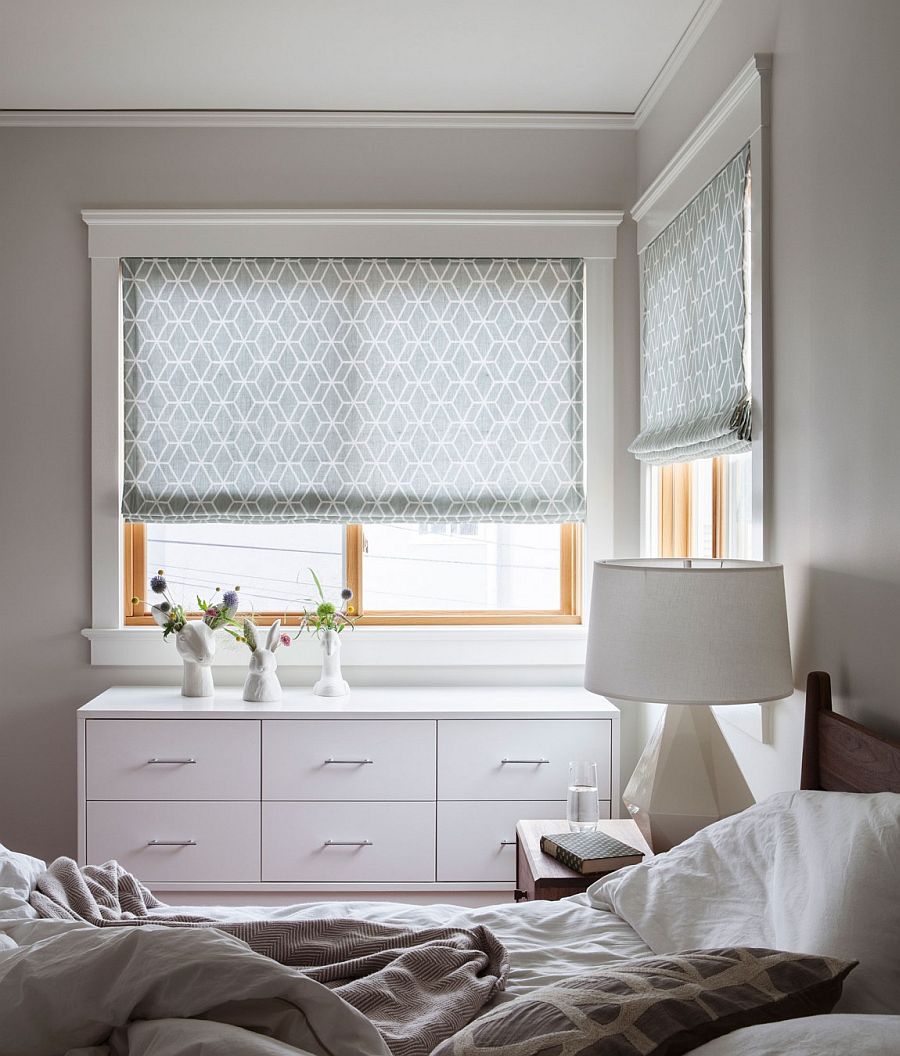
[(840, 755)]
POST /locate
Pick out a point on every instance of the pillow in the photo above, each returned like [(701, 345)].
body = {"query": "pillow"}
[(810, 871), (829, 1036), (18, 873), (662, 1005)]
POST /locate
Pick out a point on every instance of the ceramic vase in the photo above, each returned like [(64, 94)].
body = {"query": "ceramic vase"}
[(196, 645), (332, 683), (261, 686)]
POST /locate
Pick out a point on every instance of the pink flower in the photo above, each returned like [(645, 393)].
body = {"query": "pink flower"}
[(285, 639), (211, 611)]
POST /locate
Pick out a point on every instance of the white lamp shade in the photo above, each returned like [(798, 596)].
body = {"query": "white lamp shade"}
[(688, 632)]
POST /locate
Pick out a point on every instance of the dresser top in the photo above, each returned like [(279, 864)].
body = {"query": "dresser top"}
[(429, 702)]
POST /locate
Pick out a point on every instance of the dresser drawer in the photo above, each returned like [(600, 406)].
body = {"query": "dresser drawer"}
[(172, 759), (400, 844), (349, 759), (225, 837), (524, 759), (477, 841)]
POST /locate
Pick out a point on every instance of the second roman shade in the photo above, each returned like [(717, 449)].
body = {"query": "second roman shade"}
[(695, 327)]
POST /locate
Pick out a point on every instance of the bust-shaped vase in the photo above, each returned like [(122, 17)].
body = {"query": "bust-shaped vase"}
[(332, 683), (196, 645)]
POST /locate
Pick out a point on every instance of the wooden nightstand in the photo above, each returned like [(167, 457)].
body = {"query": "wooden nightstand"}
[(542, 878)]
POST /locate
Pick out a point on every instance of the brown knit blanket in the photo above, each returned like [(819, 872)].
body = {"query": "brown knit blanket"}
[(417, 987)]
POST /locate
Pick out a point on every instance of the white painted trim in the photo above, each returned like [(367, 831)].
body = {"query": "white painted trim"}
[(673, 64), (755, 720), (599, 419), (417, 647), (350, 232), (535, 120), (733, 119), (107, 549), (117, 233)]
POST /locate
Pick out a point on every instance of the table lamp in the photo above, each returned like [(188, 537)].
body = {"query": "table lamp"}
[(688, 633)]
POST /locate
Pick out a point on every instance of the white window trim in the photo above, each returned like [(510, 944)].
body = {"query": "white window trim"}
[(114, 234), (740, 115)]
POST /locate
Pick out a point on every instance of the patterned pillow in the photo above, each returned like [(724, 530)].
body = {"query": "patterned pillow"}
[(656, 1005)]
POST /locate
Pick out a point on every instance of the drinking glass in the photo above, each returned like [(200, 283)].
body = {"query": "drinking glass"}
[(583, 805)]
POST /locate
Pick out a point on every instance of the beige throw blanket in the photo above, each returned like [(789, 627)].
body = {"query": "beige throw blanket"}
[(417, 987)]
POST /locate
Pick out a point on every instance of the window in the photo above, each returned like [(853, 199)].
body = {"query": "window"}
[(116, 237), (280, 401), (399, 573), (701, 508), (696, 289)]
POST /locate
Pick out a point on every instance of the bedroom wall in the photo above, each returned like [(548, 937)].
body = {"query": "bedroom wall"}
[(835, 276), (46, 177)]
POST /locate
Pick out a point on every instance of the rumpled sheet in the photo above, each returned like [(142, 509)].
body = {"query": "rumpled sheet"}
[(66, 987), (416, 986)]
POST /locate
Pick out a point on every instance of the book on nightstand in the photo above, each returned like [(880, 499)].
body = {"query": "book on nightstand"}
[(590, 852)]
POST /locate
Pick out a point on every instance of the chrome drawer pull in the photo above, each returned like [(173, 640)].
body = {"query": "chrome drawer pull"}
[(172, 843), (507, 843), (359, 762), (525, 761), (155, 761), (348, 843)]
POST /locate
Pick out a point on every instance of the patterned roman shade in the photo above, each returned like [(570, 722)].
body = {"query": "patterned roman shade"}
[(695, 327), (287, 390)]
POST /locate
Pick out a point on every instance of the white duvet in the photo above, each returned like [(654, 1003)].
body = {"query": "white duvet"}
[(798, 872)]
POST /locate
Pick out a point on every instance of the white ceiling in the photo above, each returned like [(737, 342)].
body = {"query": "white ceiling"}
[(409, 55)]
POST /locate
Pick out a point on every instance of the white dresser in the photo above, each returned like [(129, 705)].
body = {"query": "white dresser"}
[(412, 791)]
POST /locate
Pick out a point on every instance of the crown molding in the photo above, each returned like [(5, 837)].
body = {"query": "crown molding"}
[(460, 120), (675, 61), (727, 116)]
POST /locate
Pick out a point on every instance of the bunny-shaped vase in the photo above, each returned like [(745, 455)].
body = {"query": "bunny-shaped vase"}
[(261, 685), (196, 645)]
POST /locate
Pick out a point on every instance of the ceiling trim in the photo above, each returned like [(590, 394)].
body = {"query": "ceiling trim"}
[(462, 120), (675, 61)]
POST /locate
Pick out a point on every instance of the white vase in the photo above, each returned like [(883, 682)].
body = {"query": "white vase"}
[(332, 683), (196, 645), (261, 686)]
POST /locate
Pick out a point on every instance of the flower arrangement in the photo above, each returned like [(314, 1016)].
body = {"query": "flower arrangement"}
[(327, 616), (248, 635), (216, 613)]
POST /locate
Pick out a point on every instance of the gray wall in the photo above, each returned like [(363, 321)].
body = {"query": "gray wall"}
[(836, 351), (46, 178)]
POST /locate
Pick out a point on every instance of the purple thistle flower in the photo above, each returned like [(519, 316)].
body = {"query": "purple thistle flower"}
[(164, 606), (158, 584), (346, 593), (230, 599)]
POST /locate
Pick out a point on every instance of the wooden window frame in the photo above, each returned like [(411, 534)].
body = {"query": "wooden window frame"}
[(570, 588), (676, 510)]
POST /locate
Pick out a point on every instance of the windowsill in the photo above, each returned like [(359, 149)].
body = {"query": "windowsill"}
[(485, 646)]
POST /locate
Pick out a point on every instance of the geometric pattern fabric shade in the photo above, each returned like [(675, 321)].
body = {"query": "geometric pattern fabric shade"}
[(695, 327), (336, 390)]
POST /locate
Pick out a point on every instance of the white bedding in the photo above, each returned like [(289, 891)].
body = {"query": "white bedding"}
[(840, 873)]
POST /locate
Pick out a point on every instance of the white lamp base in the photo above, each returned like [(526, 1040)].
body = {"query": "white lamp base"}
[(686, 778)]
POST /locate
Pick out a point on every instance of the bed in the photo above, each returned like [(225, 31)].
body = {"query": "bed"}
[(833, 858)]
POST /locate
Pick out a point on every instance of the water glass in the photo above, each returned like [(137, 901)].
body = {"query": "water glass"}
[(583, 806)]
